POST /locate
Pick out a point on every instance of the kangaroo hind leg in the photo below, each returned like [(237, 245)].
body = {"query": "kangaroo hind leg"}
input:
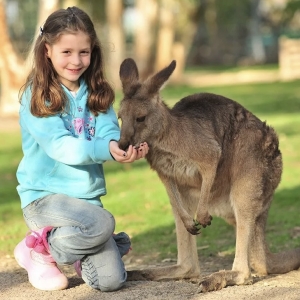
[(258, 248), (241, 273)]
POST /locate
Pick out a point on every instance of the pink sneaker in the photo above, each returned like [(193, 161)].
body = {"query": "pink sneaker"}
[(32, 254)]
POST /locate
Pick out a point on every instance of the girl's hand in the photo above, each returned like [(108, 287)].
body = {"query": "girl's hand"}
[(130, 155)]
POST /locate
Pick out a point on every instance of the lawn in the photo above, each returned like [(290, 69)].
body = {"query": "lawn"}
[(138, 199)]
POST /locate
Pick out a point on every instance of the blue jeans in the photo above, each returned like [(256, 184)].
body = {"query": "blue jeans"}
[(81, 231)]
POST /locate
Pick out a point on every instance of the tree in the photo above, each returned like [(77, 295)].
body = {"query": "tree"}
[(163, 31), (13, 67), (258, 50), (144, 35), (114, 13)]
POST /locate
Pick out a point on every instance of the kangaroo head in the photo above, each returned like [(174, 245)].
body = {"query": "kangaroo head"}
[(142, 111)]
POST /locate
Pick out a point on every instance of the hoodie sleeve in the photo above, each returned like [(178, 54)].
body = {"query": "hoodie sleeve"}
[(58, 143), (107, 129)]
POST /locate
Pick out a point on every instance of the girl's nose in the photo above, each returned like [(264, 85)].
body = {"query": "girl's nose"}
[(76, 60)]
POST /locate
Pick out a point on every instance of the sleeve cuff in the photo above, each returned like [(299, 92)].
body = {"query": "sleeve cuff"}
[(101, 150)]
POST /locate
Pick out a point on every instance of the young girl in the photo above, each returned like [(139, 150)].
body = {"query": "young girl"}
[(69, 129)]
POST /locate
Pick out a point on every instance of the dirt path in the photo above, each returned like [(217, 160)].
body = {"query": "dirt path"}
[(14, 285)]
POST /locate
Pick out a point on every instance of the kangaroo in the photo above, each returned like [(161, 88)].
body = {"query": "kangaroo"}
[(214, 157)]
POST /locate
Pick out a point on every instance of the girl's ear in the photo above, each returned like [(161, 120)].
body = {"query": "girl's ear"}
[(47, 50)]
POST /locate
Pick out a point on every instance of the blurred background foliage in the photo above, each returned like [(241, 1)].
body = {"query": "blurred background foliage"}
[(220, 32), (197, 33)]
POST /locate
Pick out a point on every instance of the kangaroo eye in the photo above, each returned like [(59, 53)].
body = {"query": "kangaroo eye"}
[(141, 119)]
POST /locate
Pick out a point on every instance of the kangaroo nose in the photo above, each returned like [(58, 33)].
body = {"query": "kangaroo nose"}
[(123, 145)]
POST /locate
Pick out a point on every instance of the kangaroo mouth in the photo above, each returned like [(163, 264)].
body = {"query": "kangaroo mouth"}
[(125, 146)]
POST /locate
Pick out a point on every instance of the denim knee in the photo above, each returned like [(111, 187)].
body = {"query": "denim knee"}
[(99, 230), (112, 283), (107, 281)]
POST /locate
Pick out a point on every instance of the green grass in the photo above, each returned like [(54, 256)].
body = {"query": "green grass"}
[(11, 221), (138, 199)]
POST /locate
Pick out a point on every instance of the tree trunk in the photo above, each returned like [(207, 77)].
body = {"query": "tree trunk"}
[(165, 37), (144, 35), (258, 50), (168, 47), (114, 13), (14, 69)]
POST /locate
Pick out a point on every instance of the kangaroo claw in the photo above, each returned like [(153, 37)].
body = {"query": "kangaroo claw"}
[(197, 225)]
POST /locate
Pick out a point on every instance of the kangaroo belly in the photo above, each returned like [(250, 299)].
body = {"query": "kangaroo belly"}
[(221, 207)]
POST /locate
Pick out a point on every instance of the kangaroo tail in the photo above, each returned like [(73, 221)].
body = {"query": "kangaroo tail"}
[(283, 262)]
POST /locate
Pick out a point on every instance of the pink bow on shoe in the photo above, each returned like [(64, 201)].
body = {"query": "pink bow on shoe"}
[(38, 242)]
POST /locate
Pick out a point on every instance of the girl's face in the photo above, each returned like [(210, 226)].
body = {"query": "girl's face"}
[(70, 56)]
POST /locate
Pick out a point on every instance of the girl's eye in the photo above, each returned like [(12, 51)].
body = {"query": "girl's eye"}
[(141, 119)]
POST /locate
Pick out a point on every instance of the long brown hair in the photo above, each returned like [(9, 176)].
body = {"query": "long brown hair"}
[(48, 97)]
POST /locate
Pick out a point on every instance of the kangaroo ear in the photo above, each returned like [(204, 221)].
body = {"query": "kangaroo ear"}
[(156, 82), (129, 75)]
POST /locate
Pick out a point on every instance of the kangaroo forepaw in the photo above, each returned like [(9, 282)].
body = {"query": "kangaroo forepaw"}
[(197, 227), (194, 227), (204, 220)]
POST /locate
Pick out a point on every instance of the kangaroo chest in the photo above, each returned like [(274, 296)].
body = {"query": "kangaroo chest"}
[(183, 171)]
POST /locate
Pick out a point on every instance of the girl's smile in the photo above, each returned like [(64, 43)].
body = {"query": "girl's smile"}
[(74, 71)]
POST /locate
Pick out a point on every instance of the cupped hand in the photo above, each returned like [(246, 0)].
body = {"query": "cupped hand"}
[(132, 153)]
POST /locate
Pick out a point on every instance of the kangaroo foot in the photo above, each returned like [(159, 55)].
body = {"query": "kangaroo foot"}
[(219, 280), (164, 273)]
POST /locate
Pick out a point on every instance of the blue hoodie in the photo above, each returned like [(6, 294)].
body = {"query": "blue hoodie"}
[(64, 153)]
